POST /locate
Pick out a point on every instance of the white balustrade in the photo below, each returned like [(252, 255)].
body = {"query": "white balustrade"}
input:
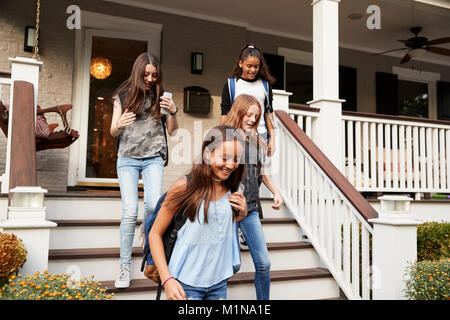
[(396, 155), (303, 117), (338, 232)]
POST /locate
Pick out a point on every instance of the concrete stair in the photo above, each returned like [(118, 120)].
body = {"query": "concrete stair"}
[(87, 240)]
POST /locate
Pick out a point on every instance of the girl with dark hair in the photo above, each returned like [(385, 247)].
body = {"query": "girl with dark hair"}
[(206, 253), (250, 75), (245, 115), (140, 131)]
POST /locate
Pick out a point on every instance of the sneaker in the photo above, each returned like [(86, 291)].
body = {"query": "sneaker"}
[(123, 280), (242, 243)]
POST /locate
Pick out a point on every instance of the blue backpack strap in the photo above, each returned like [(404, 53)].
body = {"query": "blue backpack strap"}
[(232, 88)]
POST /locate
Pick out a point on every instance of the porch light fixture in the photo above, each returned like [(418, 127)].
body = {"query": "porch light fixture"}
[(30, 34), (101, 67), (196, 62), (417, 53)]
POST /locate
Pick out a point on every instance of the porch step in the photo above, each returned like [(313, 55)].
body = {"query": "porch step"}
[(309, 284), (108, 205), (104, 262), (104, 233)]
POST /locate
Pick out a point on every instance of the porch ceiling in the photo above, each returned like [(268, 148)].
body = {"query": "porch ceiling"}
[(293, 18)]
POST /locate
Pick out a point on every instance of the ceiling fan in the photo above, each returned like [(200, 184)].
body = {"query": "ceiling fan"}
[(417, 46)]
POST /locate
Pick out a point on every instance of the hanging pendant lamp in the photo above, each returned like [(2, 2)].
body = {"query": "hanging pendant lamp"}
[(101, 67)]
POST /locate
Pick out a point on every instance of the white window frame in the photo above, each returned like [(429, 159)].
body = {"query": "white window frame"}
[(430, 78), (95, 24)]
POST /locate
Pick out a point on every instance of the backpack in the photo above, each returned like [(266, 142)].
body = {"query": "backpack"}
[(267, 108), (169, 238)]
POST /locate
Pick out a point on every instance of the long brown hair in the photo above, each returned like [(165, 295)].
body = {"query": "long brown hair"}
[(201, 185), (252, 50), (133, 89)]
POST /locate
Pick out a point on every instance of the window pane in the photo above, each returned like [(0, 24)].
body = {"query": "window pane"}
[(299, 81), (413, 98), (101, 151)]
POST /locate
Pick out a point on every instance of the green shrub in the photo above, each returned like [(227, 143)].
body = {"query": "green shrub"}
[(12, 256), (428, 280), (45, 286), (433, 242)]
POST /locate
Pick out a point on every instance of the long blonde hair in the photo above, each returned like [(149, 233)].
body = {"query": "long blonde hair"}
[(237, 113)]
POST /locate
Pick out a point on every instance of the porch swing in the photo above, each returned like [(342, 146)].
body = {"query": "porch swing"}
[(46, 136)]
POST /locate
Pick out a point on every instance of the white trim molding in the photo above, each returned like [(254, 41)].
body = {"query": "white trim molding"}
[(108, 26)]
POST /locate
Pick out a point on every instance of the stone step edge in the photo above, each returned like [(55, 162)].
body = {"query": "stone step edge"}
[(140, 285), (99, 253), (116, 222)]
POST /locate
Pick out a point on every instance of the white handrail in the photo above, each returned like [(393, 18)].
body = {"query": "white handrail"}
[(339, 234)]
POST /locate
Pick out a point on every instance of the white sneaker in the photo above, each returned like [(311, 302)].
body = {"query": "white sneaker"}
[(123, 280), (242, 243)]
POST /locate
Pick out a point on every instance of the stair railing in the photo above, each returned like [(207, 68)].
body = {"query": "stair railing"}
[(331, 212)]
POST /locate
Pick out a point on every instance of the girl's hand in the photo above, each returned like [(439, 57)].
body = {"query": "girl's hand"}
[(277, 201), (271, 147), (168, 104), (126, 119), (174, 290), (238, 202)]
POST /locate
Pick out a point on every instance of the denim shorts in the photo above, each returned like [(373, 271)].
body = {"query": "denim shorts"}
[(215, 292)]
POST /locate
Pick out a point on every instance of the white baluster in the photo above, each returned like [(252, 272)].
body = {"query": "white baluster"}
[(408, 157), (355, 254), (366, 154), (423, 168), (338, 235), (388, 152), (447, 150), (350, 152), (442, 158), (395, 156), (416, 157), (301, 184), (300, 121), (365, 264), (380, 156), (401, 137), (435, 159), (358, 153), (347, 244), (308, 126), (373, 156), (429, 153), (314, 198)]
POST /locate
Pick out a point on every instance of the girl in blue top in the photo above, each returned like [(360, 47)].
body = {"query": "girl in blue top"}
[(206, 252)]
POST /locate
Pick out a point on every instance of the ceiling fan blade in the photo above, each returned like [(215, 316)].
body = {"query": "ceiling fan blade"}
[(374, 54), (406, 58), (439, 41), (438, 50)]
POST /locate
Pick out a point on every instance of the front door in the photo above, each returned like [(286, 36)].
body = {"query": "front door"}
[(108, 60)]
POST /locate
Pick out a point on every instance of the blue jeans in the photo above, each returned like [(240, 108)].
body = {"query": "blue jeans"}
[(252, 229), (215, 292), (128, 170)]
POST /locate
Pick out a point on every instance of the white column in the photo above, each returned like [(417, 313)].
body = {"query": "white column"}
[(26, 219), (394, 246), (326, 129), (27, 70)]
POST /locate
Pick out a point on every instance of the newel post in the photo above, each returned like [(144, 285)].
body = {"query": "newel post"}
[(394, 246)]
